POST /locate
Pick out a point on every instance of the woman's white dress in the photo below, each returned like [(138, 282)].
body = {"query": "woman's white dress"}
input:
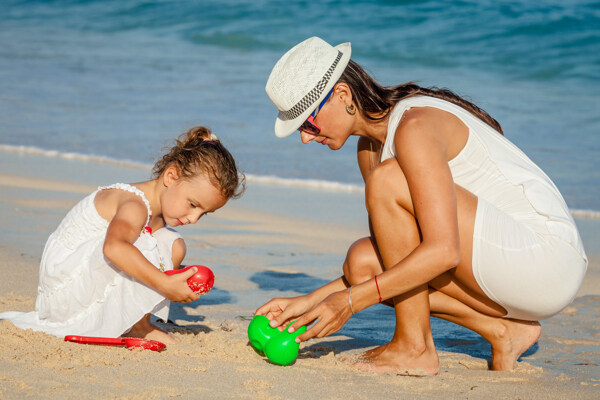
[(80, 292), (527, 253)]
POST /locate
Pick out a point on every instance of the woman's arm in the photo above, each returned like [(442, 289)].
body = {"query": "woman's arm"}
[(368, 158), (283, 310), (123, 230), (422, 152), (367, 152), (423, 147)]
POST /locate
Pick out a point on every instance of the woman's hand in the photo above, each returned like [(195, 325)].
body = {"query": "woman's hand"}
[(331, 314), (281, 310), (176, 289)]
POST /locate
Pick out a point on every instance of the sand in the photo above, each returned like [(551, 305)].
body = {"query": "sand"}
[(263, 245)]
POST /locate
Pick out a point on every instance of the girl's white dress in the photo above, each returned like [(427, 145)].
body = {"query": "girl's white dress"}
[(80, 292)]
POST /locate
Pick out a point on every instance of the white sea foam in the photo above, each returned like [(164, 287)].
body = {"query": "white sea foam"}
[(305, 183), (586, 214), (72, 156), (267, 180), (262, 179)]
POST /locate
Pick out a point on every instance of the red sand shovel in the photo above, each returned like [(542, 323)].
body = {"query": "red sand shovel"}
[(128, 342)]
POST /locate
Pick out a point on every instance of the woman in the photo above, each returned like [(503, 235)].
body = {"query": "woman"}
[(464, 226)]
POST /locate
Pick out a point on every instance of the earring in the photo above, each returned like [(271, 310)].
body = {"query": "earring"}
[(350, 109)]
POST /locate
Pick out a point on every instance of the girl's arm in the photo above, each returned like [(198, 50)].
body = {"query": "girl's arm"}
[(422, 153), (123, 231), (178, 252)]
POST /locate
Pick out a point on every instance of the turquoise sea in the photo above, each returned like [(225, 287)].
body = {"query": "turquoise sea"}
[(116, 79)]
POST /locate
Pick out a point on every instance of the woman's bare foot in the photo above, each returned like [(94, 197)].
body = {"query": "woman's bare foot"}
[(370, 355), (147, 330), (512, 338), (399, 359)]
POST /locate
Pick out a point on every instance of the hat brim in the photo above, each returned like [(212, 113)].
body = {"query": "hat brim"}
[(285, 127)]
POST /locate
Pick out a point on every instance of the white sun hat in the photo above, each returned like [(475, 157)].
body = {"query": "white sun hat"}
[(302, 78)]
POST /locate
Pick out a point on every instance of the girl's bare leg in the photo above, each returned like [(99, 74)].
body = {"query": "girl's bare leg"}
[(145, 329)]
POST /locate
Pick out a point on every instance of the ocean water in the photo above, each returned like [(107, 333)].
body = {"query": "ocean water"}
[(116, 79)]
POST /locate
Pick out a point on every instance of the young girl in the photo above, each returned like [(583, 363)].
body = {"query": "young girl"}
[(101, 272), (464, 226)]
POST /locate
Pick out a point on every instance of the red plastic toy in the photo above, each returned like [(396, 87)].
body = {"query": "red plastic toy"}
[(126, 341), (202, 281)]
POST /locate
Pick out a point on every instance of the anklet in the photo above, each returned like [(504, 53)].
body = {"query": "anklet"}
[(350, 299)]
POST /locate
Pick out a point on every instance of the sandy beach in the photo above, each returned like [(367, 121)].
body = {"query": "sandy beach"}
[(272, 242)]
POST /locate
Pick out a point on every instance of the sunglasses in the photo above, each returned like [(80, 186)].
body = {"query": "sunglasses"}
[(309, 125)]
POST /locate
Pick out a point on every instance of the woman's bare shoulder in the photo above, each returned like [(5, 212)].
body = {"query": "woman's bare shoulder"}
[(426, 117), (430, 123)]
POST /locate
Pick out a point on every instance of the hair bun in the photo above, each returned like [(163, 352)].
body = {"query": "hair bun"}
[(196, 135)]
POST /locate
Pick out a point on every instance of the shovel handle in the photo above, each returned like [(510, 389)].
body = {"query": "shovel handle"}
[(95, 340)]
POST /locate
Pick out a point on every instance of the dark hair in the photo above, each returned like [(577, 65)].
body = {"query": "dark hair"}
[(372, 99), (199, 151)]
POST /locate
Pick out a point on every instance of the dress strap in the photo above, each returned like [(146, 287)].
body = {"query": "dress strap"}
[(397, 113), (134, 190)]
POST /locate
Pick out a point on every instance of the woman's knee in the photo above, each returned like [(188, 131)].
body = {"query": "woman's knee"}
[(362, 261)]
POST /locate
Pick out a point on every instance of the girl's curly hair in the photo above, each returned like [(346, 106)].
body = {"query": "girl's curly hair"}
[(199, 151)]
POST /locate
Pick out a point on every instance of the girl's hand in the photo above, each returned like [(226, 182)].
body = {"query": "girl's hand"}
[(281, 311), (331, 314), (176, 289)]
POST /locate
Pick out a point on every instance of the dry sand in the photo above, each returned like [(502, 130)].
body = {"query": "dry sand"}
[(214, 359)]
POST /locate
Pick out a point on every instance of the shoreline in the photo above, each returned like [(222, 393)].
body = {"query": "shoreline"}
[(261, 180), (271, 242)]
